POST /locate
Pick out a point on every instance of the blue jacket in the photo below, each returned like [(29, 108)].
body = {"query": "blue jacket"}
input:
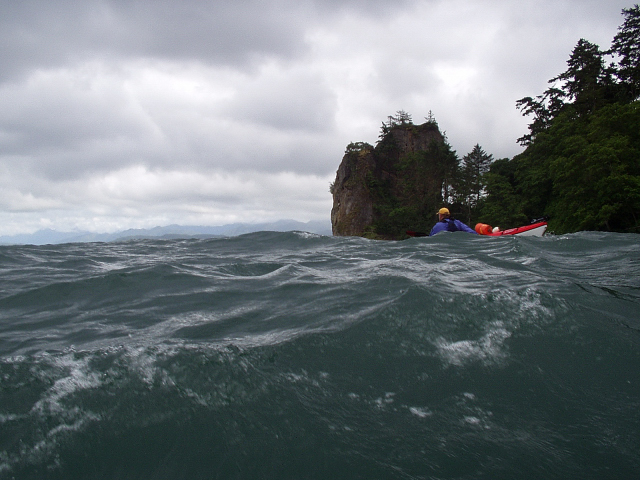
[(450, 225)]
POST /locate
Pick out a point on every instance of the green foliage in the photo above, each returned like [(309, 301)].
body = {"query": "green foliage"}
[(503, 204), (582, 162), (586, 83), (595, 172), (626, 45), (408, 186), (470, 181), (357, 147), (581, 165), (585, 86), (583, 172)]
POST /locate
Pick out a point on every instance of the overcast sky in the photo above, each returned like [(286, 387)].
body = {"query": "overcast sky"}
[(120, 114)]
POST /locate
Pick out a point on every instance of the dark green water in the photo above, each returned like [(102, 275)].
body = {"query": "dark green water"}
[(294, 356)]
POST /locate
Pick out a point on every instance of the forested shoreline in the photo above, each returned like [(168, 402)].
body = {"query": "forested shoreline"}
[(581, 165)]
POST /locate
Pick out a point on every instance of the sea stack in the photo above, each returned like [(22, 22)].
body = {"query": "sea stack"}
[(380, 192)]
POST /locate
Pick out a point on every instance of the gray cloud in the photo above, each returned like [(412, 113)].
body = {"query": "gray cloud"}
[(286, 100), (48, 34), (238, 33), (134, 113)]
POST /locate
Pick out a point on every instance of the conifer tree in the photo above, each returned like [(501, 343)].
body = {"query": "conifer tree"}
[(626, 45), (586, 80), (472, 183), (403, 117), (431, 118), (544, 108), (581, 164), (585, 86)]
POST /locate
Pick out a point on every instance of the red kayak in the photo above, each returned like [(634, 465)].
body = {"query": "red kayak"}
[(536, 229)]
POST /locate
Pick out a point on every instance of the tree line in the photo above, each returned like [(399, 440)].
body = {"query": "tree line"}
[(581, 165), (463, 180)]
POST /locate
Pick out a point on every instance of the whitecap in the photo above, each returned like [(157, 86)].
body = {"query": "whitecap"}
[(420, 412), (488, 349)]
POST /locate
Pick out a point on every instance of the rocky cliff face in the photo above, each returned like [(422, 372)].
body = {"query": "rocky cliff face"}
[(352, 210), (398, 185)]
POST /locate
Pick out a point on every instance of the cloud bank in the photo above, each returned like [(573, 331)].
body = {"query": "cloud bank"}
[(129, 114)]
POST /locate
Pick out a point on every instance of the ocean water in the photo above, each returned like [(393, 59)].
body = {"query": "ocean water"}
[(298, 356)]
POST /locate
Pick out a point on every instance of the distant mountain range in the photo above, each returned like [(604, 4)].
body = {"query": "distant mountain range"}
[(47, 236)]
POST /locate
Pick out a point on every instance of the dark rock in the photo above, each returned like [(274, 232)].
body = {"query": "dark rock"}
[(382, 191)]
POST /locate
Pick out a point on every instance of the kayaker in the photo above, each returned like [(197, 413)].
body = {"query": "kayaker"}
[(448, 224)]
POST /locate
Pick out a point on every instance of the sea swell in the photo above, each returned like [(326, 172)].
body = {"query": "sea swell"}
[(290, 355)]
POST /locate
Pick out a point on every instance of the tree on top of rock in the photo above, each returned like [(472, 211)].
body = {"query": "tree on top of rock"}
[(401, 118)]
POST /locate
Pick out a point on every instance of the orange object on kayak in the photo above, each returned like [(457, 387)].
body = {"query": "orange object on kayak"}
[(483, 228)]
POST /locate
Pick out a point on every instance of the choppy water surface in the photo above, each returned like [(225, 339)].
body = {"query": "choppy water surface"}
[(293, 356)]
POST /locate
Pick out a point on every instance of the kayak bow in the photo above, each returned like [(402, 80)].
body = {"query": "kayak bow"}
[(533, 230)]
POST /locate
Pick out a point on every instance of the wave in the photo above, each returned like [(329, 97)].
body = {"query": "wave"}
[(289, 355)]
